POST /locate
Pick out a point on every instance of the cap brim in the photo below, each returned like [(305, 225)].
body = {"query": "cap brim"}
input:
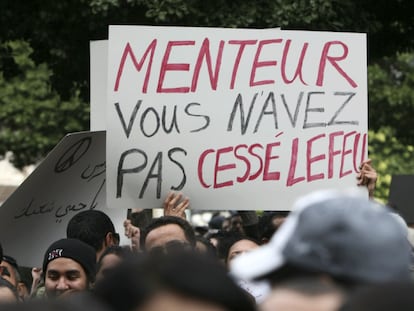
[(267, 258)]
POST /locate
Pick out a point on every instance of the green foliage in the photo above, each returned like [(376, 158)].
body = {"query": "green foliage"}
[(389, 157), (391, 106), (391, 94), (32, 116)]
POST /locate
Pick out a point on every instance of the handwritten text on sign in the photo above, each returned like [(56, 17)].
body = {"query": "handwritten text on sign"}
[(237, 119)]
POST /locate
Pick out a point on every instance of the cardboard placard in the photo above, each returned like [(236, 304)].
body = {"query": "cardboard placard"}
[(234, 118), (69, 180)]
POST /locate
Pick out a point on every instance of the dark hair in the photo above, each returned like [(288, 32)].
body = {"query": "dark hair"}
[(210, 248), (266, 226), (133, 283), (11, 261), (121, 252), (1, 253), (91, 227), (168, 220), (216, 221)]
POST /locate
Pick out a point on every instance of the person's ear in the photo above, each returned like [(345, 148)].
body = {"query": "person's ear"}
[(109, 239), (22, 290)]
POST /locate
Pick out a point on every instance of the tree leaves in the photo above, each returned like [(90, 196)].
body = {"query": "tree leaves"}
[(33, 118)]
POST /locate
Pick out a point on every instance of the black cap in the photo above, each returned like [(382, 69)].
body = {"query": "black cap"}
[(11, 261), (74, 249)]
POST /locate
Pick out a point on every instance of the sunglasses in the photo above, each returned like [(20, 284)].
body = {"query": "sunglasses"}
[(4, 271), (171, 247)]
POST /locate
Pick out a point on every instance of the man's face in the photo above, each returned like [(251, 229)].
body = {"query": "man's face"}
[(64, 276), (161, 236), (8, 273), (236, 224)]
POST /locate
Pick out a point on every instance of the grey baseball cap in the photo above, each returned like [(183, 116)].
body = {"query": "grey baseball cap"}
[(345, 236)]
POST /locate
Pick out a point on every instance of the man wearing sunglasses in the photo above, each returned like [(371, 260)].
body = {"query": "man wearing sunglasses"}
[(168, 234)]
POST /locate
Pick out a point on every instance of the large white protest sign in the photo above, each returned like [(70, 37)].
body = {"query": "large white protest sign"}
[(234, 118), (69, 180)]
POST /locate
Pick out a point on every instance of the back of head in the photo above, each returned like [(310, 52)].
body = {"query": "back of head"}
[(216, 221), (134, 283), (91, 227), (347, 237)]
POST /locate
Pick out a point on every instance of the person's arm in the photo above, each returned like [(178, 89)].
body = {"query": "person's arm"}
[(133, 233), (367, 177), (37, 278)]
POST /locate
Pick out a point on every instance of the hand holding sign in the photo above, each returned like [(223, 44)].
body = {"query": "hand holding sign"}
[(367, 177), (173, 206), (133, 233)]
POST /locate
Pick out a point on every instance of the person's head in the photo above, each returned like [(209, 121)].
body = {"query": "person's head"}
[(204, 246), (12, 274), (269, 222), (10, 268), (179, 282), (68, 266), (344, 237), (236, 223), (110, 258), (93, 227), (216, 222), (167, 232), (238, 246), (8, 293), (1, 253), (225, 225)]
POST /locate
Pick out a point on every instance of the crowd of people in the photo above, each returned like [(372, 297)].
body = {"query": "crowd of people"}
[(333, 251)]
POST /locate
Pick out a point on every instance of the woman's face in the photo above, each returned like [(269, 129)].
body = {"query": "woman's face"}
[(239, 248)]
